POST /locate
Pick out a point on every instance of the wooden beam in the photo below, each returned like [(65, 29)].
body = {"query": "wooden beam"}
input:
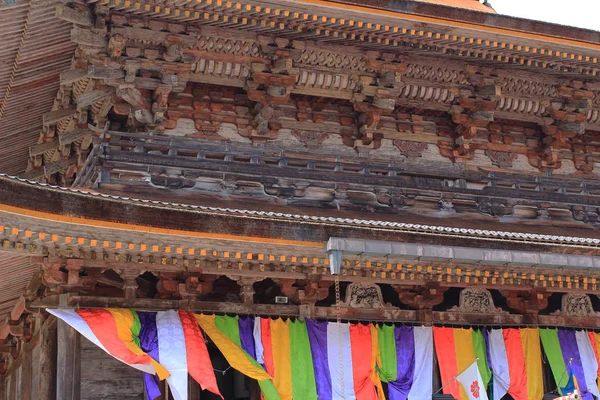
[(72, 76), (54, 116), (4, 330), (72, 136), (87, 37), (18, 309), (68, 360), (41, 148), (49, 169), (87, 99), (81, 16)]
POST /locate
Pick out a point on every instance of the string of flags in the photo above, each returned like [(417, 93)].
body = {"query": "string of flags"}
[(321, 360)]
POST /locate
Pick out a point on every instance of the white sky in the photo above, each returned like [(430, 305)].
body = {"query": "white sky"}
[(580, 13)]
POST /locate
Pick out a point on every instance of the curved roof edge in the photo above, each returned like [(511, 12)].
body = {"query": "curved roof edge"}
[(473, 17), (14, 198)]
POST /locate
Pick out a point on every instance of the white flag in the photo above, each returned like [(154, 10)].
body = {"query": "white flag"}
[(471, 381)]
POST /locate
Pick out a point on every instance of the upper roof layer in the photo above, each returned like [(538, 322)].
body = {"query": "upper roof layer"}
[(469, 4), (36, 47)]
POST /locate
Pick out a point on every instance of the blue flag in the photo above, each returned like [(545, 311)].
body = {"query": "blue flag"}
[(570, 386)]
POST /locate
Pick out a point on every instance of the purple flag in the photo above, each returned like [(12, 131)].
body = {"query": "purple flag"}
[(317, 335), (246, 325), (149, 343), (405, 356), (570, 351)]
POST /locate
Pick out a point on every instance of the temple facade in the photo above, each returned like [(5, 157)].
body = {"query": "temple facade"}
[(419, 174)]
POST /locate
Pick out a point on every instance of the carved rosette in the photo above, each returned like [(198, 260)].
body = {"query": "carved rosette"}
[(501, 159), (359, 295), (410, 149), (311, 139), (477, 301), (576, 305)]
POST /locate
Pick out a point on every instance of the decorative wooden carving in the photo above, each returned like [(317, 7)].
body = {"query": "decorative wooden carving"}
[(314, 289), (191, 289), (311, 139), (527, 302), (359, 295), (410, 149), (501, 159), (421, 297), (247, 289), (477, 301), (130, 285), (288, 289), (576, 305)]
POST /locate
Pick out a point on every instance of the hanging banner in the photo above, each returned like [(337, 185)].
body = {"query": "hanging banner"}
[(516, 363), (290, 359), (572, 353)]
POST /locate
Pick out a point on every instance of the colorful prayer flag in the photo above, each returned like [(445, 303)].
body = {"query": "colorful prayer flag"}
[(406, 354), (225, 334), (343, 358), (516, 362), (456, 349), (571, 353), (113, 336), (471, 382)]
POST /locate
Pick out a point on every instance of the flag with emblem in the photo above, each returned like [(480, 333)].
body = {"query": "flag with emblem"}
[(472, 384)]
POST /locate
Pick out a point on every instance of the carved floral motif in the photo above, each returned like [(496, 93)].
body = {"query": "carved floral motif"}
[(364, 296), (477, 301), (311, 139), (501, 159), (410, 149), (577, 305)]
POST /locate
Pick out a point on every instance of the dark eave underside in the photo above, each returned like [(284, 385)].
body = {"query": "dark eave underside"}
[(287, 223)]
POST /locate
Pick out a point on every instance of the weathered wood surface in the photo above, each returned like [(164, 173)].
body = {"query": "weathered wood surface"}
[(45, 359), (25, 378), (68, 363), (103, 377), (389, 314), (32, 375), (58, 115), (78, 16)]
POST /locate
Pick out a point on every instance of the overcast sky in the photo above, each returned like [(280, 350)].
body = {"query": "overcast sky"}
[(581, 13)]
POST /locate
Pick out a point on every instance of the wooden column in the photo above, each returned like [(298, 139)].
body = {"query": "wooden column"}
[(45, 362), (25, 376), (193, 389), (68, 361)]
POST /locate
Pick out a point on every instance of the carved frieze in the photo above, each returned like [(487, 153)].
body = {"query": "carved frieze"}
[(359, 295), (477, 301), (501, 159), (410, 149), (311, 139), (577, 305)]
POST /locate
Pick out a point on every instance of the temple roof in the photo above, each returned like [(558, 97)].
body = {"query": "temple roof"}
[(469, 4), (36, 47)]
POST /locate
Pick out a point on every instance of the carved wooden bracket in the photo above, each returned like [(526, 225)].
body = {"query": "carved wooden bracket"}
[(130, 284), (576, 305), (359, 295), (288, 289), (315, 289), (527, 302), (247, 289), (477, 301), (191, 289), (421, 297)]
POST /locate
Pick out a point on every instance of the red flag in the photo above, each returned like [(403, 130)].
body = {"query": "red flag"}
[(198, 361)]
